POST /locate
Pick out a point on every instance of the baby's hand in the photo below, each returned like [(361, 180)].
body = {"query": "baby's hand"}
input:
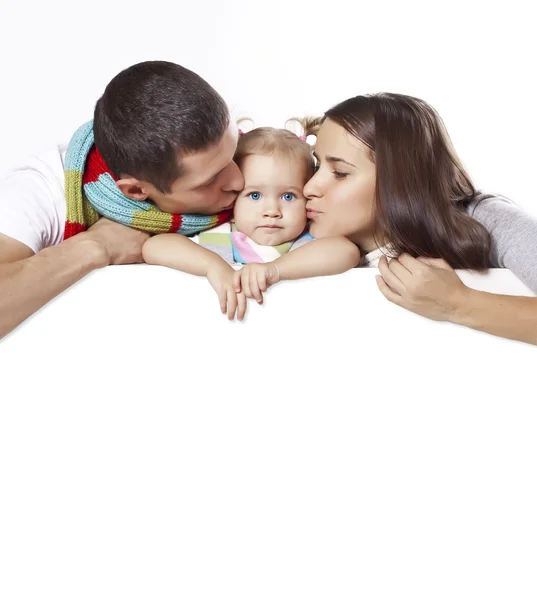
[(255, 278), (221, 279)]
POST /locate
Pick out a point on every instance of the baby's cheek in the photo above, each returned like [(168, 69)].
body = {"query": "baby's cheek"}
[(300, 220)]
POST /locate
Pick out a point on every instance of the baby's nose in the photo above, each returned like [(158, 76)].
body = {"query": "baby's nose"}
[(272, 209)]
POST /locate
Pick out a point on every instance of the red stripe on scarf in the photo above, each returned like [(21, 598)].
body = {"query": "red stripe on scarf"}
[(72, 229), (223, 217), (95, 167), (177, 221)]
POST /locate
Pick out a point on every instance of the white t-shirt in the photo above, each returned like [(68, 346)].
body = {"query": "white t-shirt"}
[(32, 200)]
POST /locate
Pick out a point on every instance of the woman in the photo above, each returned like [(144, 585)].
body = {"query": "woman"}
[(389, 180)]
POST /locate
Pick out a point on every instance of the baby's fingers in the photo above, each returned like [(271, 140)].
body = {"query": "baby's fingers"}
[(246, 283), (241, 298), (237, 280), (231, 304), (222, 299), (255, 288), (262, 280)]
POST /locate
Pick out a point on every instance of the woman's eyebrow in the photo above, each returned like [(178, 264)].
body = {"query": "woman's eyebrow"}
[(333, 159)]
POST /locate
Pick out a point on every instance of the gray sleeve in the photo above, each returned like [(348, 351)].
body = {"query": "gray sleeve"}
[(513, 233)]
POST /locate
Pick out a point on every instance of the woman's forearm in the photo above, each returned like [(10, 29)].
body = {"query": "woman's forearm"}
[(513, 317)]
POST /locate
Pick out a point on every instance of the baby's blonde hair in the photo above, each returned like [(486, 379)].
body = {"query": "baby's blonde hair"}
[(269, 141)]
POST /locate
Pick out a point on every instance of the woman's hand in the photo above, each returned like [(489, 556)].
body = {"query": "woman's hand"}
[(255, 278), (426, 286), (221, 277)]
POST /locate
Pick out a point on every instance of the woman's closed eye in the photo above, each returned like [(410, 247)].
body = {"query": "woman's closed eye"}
[(340, 174), (337, 174)]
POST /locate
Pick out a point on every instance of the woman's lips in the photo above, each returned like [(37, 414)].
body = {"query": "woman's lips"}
[(311, 214)]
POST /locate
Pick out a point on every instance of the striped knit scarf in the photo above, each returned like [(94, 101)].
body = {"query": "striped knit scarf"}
[(91, 192)]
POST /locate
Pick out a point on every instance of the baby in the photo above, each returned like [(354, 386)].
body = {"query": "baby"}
[(268, 232)]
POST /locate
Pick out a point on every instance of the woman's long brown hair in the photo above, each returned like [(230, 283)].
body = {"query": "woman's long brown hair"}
[(422, 189)]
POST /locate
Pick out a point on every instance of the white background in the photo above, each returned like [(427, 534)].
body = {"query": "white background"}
[(332, 446)]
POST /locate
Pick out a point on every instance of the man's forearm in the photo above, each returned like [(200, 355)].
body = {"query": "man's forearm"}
[(28, 284), (513, 317)]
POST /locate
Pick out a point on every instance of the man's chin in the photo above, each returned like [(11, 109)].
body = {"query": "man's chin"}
[(229, 207), (170, 209)]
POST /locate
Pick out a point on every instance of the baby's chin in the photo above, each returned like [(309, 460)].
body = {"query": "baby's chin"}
[(268, 237)]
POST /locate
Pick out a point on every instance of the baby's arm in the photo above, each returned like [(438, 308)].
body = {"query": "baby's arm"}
[(179, 252), (324, 256)]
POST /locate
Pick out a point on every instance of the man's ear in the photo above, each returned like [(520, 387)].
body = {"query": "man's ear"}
[(132, 188)]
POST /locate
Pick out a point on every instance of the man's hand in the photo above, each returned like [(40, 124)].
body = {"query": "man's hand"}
[(120, 244), (255, 278), (221, 279), (426, 286)]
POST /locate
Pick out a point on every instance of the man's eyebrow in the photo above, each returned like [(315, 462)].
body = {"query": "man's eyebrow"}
[(333, 159)]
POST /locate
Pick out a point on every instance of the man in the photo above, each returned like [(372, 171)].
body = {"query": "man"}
[(160, 133)]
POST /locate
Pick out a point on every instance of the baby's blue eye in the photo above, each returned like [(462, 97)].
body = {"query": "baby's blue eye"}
[(255, 195), (288, 197)]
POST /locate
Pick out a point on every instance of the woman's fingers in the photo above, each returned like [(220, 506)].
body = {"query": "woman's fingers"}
[(439, 263), (409, 262), (400, 270), (390, 277), (387, 291)]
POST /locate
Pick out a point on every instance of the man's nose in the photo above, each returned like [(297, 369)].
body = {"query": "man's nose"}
[(233, 180)]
